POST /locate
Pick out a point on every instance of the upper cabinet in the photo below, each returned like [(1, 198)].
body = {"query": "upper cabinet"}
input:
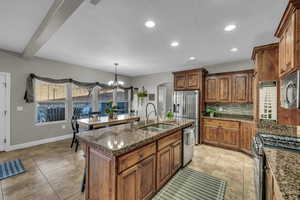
[(288, 33), (188, 80), (240, 89), (211, 89), (233, 87)]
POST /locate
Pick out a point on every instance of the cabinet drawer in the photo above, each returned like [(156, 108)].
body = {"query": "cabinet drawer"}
[(130, 159), (222, 123), (169, 140)]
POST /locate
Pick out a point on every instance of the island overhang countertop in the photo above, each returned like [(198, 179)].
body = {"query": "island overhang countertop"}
[(118, 140)]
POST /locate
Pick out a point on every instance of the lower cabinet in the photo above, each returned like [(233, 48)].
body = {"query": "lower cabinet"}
[(144, 171), (248, 131), (164, 166), (169, 160), (138, 182), (221, 133)]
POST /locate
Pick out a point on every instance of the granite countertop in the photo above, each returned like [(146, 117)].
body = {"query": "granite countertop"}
[(285, 167), (239, 118), (117, 140)]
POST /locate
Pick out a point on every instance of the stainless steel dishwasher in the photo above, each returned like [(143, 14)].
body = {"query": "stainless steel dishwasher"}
[(188, 145)]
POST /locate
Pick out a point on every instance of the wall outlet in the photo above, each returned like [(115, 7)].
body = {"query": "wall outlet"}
[(19, 108), (298, 131), (63, 126)]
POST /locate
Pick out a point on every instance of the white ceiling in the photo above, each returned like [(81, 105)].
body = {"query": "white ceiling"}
[(97, 36), (19, 21)]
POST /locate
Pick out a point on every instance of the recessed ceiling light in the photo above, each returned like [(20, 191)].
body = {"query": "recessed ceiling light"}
[(234, 49), (150, 24), (192, 58), (230, 27), (175, 44)]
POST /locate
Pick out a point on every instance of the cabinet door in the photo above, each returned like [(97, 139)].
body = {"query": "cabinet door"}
[(240, 88), (282, 65), (224, 88), (176, 156), (180, 81), (146, 178), (289, 46), (250, 87), (164, 166), (210, 134), (229, 137), (211, 89), (193, 80), (128, 184), (247, 132)]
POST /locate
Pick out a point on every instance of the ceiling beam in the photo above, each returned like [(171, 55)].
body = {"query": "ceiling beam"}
[(57, 15)]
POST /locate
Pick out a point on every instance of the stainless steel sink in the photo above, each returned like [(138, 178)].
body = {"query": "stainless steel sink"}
[(157, 127)]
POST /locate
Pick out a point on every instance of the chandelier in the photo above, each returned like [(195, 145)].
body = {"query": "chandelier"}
[(115, 83)]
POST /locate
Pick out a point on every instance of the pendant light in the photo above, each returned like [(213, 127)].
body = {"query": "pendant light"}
[(115, 83)]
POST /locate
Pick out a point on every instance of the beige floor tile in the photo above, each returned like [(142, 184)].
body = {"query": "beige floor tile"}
[(54, 171)]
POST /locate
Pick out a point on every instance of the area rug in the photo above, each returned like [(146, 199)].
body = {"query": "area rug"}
[(11, 168), (189, 184)]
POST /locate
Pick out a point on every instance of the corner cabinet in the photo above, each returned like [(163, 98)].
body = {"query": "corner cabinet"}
[(188, 80), (232, 87), (288, 33), (248, 130)]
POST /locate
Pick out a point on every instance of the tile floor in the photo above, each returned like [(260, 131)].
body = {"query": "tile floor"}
[(54, 172)]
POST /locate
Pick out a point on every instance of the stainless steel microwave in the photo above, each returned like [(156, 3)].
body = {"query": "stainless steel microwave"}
[(290, 91)]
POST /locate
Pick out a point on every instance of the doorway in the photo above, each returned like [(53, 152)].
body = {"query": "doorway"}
[(4, 110)]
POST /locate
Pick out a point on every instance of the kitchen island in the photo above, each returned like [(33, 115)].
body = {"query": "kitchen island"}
[(132, 161)]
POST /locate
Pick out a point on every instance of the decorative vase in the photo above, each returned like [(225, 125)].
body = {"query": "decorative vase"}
[(110, 116)]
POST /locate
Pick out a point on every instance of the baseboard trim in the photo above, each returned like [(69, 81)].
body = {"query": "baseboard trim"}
[(38, 142)]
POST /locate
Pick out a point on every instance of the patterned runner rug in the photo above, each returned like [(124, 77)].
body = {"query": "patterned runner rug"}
[(11, 168), (189, 184)]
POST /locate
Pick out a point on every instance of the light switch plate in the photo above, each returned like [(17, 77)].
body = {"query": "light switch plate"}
[(298, 131), (19, 108)]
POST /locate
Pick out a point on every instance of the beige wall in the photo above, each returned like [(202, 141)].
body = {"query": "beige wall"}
[(23, 128)]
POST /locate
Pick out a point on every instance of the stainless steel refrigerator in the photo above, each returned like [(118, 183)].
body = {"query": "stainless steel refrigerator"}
[(186, 106)]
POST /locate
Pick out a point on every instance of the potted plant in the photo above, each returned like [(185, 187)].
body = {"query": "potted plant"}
[(211, 112), (142, 95), (111, 110), (169, 115)]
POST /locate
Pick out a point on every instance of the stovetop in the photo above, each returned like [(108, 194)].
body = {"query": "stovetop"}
[(280, 142)]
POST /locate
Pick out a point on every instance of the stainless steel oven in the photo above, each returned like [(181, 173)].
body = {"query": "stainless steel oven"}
[(290, 91)]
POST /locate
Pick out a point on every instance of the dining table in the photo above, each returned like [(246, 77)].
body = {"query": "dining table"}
[(103, 121)]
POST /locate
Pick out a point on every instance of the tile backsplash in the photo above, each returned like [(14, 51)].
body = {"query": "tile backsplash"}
[(232, 108), (277, 129)]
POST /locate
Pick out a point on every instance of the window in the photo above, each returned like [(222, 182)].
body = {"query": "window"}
[(50, 102), (122, 101), (104, 96), (81, 98)]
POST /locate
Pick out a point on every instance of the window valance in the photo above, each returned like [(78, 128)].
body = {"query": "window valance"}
[(29, 93)]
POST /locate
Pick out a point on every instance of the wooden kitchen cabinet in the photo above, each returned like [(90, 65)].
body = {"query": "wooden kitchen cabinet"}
[(211, 90), (169, 158), (210, 132), (164, 166), (240, 88), (176, 156), (271, 189), (189, 79), (288, 33), (180, 80), (230, 87), (224, 88), (248, 130), (138, 182), (193, 80), (221, 133)]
